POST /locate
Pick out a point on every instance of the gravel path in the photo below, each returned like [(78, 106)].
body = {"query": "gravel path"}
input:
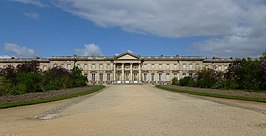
[(138, 111)]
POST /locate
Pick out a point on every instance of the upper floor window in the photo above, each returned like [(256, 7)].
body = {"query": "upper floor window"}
[(160, 66), (44, 67), (197, 66), (190, 66), (108, 66), (167, 66), (219, 67), (152, 66), (145, 66), (86, 66), (78, 65), (68, 66), (101, 66), (93, 66), (175, 66), (184, 66)]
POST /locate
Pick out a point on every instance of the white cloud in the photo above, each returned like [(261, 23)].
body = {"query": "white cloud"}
[(33, 15), (89, 50), (183, 18), (38, 3), (19, 51)]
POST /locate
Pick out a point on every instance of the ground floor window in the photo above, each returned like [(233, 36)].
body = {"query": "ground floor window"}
[(93, 77), (145, 76), (167, 77), (108, 77), (135, 77), (118, 77), (127, 77), (101, 76), (184, 75), (160, 76), (152, 76)]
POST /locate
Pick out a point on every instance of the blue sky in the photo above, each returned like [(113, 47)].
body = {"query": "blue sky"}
[(222, 28)]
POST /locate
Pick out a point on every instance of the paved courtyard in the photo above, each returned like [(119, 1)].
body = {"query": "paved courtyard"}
[(136, 111)]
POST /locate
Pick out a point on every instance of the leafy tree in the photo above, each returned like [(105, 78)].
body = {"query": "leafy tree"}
[(207, 78), (244, 74), (29, 67)]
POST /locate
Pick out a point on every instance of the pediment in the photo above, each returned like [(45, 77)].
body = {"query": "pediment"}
[(127, 56)]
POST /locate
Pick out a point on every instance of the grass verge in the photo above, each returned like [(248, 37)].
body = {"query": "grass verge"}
[(56, 98), (211, 94)]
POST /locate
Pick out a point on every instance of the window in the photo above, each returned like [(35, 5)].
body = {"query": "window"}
[(44, 67), (167, 77), (190, 66), (101, 76), (152, 76), (160, 76), (184, 66), (86, 66), (68, 66), (160, 66), (93, 66), (62, 65), (108, 77), (184, 74), (86, 75), (167, 66), (219, 67), (191, 74), (197, 66), (152, 66), (78, 65), (145, 76), (101, 66), (145, 66), (108, 66), (175, 74), (93, 77), (175, 66)]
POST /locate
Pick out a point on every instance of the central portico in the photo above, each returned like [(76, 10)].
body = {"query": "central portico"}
[(127, 68)]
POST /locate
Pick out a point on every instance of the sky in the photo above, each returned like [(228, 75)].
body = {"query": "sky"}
[(220, 28)]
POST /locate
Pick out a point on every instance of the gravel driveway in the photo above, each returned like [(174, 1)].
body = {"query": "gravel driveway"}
[(136, 111)]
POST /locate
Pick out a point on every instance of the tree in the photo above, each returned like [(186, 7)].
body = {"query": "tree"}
[(28, 67), (207, 78)]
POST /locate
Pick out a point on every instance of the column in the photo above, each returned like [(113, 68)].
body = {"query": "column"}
[(139, 72), (131, 73), (114, 74), (123, 72)]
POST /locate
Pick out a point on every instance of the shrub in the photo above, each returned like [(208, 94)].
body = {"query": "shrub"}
[(186, 81), (174, 81)]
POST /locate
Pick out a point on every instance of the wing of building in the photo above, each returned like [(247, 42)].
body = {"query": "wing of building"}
[(128, 67)]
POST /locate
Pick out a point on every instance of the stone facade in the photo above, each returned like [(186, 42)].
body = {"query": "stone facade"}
[(129, 68)]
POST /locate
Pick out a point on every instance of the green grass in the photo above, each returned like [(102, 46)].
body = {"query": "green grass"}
[(211, 95), (56, 98)]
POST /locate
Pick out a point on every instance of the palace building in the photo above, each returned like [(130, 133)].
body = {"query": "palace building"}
[(128, 67)]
